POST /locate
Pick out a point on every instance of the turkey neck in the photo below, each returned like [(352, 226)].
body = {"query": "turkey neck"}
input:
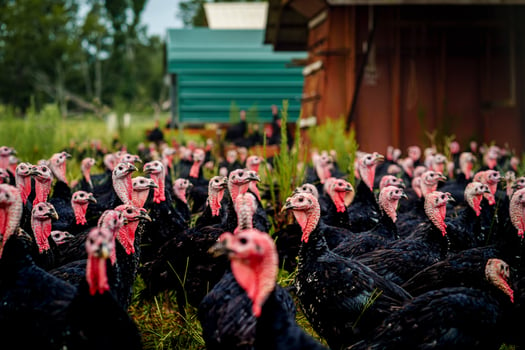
[(323, 172), (364, 194), (9, 220), (432, 236), (123, 188), (158, 192), (139, 198), (386, 227), (315, 247), (80, 212), (24, 185), (214, 201), (126, 236), (96, 275), (41, 230), (86, 172), (42, 189)]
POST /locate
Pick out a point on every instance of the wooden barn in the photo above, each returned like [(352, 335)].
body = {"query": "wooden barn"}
[(396, 69)]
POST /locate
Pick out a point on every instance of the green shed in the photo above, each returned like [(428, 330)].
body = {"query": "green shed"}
[(213, 69)]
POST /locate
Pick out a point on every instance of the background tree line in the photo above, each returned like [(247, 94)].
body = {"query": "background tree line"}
[(84, 55)]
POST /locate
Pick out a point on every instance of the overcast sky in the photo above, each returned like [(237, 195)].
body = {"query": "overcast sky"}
[(160, 15)]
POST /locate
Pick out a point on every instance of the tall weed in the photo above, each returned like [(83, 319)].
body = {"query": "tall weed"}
[(285, 174), (332, 136)]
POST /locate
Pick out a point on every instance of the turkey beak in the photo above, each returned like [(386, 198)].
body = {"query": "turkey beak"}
[(52, 213), (287, 206), (379, 158), (144, 215), (132, 168), (442, 177), (153, 184), (67, 155), (137, 159), (404, 195), (91, 198), (254, 177), (13, 152), (20, 232), (219, 249), (348, 188), (402, 184), (147, 169), (33, 171), (450, 198), (103, 251)]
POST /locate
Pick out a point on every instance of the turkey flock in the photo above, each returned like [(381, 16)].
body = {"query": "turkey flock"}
[(424, 253)]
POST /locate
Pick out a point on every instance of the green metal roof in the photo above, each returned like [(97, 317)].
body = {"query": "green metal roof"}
[(215, 68)]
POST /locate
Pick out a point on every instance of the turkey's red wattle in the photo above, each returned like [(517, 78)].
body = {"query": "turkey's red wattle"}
[(80, 212), (126, 236), (194, 171), (96, 275), (308, 221), (158, 192), (214, 200), (368, 175), (42, 230), (42, 189)]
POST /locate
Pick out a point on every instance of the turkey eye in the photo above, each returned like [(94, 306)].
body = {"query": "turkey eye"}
[(129, 211), (241, 174), (44, 168), (243, 240), (301, 199)]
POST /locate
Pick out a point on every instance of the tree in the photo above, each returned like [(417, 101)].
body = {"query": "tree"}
[(81, 60), (39, 43)]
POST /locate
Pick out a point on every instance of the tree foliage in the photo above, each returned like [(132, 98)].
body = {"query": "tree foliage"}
[(80, 54)]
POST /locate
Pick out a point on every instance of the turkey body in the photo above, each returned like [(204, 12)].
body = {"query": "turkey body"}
[(400, 260), (333, 292), (226, 315), (277, 329), (449, 318)]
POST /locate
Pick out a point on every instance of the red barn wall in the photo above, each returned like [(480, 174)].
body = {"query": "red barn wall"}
[(434, 70)]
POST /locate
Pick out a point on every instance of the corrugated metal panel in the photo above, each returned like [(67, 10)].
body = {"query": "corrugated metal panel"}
[(216, 68)]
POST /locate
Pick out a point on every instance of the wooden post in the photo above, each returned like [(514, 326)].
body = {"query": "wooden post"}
[(396, 83)]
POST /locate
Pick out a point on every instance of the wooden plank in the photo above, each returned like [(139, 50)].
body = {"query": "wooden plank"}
[(396, 85)]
